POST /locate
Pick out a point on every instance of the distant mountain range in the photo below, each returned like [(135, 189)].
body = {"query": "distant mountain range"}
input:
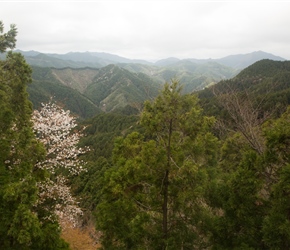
[(88, 91), (195, 74), (75, 59), (238, 62), (100, 59), (89, 83)]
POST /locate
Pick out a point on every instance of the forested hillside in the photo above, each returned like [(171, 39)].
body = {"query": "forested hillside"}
[(263, 87), (149, 165), (47, 85), (114, 87), (88, 92), (194, 76)]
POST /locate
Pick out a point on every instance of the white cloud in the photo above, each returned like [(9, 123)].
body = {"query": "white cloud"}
[(151, 29)]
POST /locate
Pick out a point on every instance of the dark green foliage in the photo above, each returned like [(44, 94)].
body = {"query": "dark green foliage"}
[(252, 195), (242, 208), (244, 103), (100, 134), (265, 85), (276, 223), (265, 68), (101, 131), (88, 185), (21, 226), (127, 110), (150, 196)]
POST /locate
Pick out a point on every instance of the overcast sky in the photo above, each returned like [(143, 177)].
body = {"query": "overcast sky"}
[(153, 29)]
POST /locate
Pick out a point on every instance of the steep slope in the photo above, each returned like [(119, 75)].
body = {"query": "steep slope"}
[(114, 87), (198, 76), (87, 91), (103, 128), (193, 76), (265, 85), (46, 85), (150, 70), (78, 79)]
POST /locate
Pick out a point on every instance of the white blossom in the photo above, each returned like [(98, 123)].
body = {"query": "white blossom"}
[(56, 129), (58, 193)]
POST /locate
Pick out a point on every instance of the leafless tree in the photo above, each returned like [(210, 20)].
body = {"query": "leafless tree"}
[(246, 114)]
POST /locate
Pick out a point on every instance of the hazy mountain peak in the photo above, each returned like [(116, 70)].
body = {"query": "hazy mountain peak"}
[(167, 61), (241, 61)]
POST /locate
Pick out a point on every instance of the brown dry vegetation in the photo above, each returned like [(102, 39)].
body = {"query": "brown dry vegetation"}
[(80, 238), (77, 79)]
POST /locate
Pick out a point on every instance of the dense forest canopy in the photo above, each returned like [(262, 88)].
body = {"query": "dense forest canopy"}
[(150, 165)]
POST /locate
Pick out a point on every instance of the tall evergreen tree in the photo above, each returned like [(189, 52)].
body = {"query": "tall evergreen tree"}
[(21, 227), (153, 196)]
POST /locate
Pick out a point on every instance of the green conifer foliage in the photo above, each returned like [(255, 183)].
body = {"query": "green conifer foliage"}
[(7, 40), (276, 224), (253, 192), (153, 195), (21, 227)]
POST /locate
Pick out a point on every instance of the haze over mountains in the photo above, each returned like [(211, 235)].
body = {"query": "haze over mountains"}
[(101, 59), (89, 83)]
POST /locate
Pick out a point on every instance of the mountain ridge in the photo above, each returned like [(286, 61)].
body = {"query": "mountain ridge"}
[(264, 85), (124, 82), (101, 59), (114, 87), (46, 86), (89, 91)]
